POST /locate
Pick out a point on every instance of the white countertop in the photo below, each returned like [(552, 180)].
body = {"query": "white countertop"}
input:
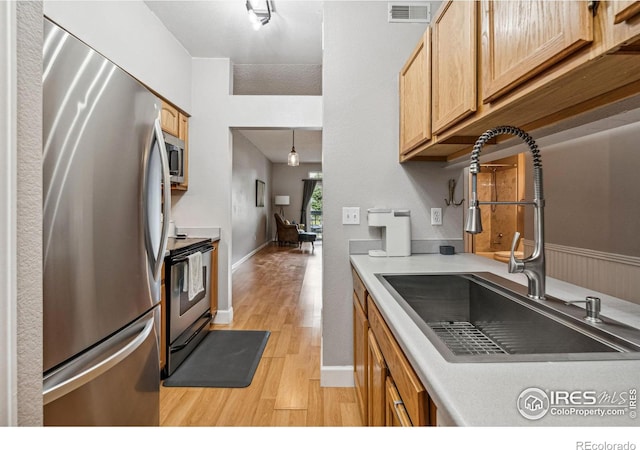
[(486, 394)]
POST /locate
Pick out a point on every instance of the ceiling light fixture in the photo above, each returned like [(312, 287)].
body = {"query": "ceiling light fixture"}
[(293, 159), (259, 18)]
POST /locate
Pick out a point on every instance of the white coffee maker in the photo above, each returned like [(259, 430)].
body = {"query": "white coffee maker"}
[(396, 230)]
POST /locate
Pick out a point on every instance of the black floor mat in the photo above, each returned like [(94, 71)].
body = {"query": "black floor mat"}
[(224, 358)]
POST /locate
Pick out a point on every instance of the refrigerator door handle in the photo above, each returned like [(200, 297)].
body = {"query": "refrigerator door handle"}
[(157, 259), (78, 374)]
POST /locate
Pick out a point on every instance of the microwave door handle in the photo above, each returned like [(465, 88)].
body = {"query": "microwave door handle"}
[(156, 259)]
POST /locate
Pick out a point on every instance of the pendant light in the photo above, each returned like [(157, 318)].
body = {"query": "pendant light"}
[(293, 159)]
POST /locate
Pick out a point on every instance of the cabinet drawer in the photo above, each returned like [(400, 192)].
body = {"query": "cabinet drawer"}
[(413, 394), (360, 290), (396, 412)]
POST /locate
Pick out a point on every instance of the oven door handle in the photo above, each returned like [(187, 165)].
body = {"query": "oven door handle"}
[(205, 322), (184, 258)]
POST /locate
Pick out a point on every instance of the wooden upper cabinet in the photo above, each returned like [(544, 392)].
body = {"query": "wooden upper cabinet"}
[(170, 118), (625, 31), (454, 64), (625, 10), (183, 133), (415, 96), (520, 39)]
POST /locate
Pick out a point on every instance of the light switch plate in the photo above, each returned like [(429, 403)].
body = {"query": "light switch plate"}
[(350, 215)]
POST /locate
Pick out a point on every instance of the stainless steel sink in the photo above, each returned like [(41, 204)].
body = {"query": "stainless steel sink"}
[(481, 317)]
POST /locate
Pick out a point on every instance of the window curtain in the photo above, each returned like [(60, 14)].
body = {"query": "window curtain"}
[(307, 192)]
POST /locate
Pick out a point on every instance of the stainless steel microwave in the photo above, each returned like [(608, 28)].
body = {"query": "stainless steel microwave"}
[(175, 155)]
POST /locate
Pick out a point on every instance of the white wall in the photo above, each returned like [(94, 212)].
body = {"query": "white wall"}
[(207, 203), (8, 257), (591, 191), (363, 54), (131, 36), (251, 224), (29, 212), (215, 112)]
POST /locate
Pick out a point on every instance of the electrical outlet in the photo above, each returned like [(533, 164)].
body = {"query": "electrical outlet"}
[(350, 215), (436, 216)]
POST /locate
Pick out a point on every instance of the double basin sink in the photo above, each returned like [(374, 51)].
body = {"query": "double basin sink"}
[(481, 317)]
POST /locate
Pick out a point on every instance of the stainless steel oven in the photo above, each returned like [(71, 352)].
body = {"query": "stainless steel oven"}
[(187, 320)]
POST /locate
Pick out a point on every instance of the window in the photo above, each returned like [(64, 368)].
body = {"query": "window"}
[(316, 206)]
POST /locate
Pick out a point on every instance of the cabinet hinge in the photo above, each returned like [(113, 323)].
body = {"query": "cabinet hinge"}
[(593, 7)]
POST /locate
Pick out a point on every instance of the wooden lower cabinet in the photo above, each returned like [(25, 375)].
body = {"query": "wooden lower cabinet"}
[(376, 384), (395, 412), (360, 330), (388, 390), (214, 279), (414, 395)]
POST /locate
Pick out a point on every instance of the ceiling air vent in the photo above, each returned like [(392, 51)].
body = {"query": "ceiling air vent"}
[(410, 12)]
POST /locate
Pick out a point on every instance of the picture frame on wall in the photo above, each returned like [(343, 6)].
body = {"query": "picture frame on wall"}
[(260, 188)]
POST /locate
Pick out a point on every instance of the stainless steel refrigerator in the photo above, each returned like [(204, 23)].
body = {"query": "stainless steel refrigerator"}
[(104, 168)]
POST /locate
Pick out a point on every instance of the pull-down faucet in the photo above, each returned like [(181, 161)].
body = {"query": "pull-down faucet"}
[(534, 266)]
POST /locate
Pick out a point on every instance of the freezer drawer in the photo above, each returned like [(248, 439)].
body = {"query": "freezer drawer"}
[(115, 384)]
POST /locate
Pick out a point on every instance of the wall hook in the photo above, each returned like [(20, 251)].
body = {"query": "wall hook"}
[(452, 190)]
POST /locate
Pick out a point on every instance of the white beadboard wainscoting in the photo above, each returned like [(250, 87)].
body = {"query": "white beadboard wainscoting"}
[(609, 273)]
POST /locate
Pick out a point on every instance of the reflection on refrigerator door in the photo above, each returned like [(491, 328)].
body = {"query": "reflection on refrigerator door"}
[(114, 384), (104, 163)]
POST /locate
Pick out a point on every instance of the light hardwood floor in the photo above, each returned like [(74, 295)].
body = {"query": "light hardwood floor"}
[(278, 289)]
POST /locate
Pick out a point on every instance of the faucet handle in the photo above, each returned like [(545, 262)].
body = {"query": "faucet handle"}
[(515, 265)]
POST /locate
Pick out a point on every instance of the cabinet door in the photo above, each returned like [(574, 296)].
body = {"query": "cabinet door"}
[(169, 116), (376, 379), (360, 330), (625, 10), (522, 38), (626, 24), (395, 411), (415, 97), (454, 79), (413, 393)]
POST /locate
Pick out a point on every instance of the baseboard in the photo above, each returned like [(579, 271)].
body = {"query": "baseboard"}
[(336, 376), (246, 257), (224, 316)]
